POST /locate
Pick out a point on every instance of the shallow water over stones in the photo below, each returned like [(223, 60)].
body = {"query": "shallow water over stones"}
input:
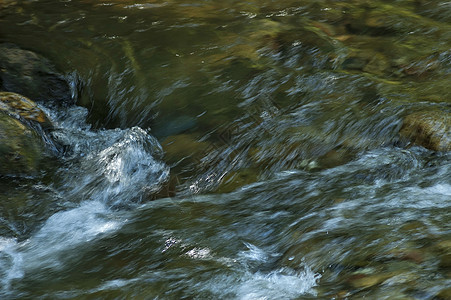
[(239, 150)]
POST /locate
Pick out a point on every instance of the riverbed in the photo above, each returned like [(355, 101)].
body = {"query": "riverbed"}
[(234, 150)]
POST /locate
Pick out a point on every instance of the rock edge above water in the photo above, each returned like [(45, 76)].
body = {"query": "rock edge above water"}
[(430, 129), (27, 73), (24, 139)]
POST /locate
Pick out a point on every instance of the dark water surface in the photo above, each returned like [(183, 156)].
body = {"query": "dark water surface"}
[(272, 127)]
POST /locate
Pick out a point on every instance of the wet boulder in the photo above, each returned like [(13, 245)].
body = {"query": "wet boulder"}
[(24, 138), (23, 109), (368, 61), (32, 75), (20, 147), (430, 129)]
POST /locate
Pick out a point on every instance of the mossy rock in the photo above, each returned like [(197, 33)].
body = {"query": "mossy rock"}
[(21, 148), (430, 129), (23, 135), (444, 246)]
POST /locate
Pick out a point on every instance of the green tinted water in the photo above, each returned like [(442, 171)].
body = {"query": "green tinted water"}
[(279, 121)]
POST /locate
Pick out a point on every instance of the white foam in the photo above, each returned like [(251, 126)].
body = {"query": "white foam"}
[(10, 262), (67, 230), (117, 166), (283, 283), (254, 253), (244, 284), (200, 253), (440, 189), (62, 237)]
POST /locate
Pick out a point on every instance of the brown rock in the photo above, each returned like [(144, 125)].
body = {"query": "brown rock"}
[(444, 294), (23, 109), (415, 256), (363, 281), (430, 129)]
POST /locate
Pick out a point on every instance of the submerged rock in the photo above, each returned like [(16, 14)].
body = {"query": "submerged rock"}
[(430, 129), (6, 3), (444, 294), (361, 280), (32, 75), (23, 135), (184, 146)]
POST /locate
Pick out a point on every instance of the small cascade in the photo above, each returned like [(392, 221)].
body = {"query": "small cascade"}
[(100, 172)]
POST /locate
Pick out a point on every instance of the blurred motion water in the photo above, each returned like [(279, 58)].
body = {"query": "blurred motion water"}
[(235, 150)]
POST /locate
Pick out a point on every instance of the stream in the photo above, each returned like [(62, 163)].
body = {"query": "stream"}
[(234, 150)]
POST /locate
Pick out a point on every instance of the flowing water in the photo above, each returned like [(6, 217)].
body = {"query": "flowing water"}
[(234, 150)]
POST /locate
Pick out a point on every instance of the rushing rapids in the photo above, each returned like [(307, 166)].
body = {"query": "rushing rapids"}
[(231, 150)]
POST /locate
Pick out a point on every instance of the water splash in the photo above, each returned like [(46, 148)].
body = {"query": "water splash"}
[(117, 167), (10, 262), (100, 172), (284, 281)]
